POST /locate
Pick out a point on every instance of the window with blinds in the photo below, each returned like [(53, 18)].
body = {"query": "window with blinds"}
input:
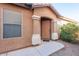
[(11, 24)]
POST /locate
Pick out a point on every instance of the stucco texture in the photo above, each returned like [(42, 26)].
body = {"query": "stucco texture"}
[(8, 44)]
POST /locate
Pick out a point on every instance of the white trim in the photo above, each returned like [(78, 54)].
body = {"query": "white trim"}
[(1, 23), (36, 17), (22, 25), (54, 36), (36, 39)]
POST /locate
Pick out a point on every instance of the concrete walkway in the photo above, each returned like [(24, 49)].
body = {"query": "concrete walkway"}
[(45, 49), (69, 50)]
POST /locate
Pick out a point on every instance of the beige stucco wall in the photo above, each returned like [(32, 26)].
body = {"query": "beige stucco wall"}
[(25, 40), (47, 12), (28, 26), (36, 26)]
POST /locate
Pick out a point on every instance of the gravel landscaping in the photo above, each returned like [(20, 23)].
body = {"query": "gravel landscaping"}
[(69, 50)]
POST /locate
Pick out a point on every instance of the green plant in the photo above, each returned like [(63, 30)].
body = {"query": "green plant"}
[(68, 32)]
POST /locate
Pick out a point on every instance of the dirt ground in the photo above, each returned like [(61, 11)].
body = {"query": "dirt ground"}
[(68, 50)]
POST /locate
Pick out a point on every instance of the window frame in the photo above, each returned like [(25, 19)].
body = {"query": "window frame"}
[(2, 18)]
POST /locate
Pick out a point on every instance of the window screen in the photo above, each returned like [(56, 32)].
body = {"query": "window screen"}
[(11, 24)]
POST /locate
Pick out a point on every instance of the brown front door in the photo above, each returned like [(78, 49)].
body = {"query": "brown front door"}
[(45, 30)]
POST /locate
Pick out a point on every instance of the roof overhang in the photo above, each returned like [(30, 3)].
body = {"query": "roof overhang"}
[(24, 5), (37, 5), (68, 19)]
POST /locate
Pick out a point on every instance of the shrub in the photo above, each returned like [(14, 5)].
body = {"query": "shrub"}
[(68, 32)]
